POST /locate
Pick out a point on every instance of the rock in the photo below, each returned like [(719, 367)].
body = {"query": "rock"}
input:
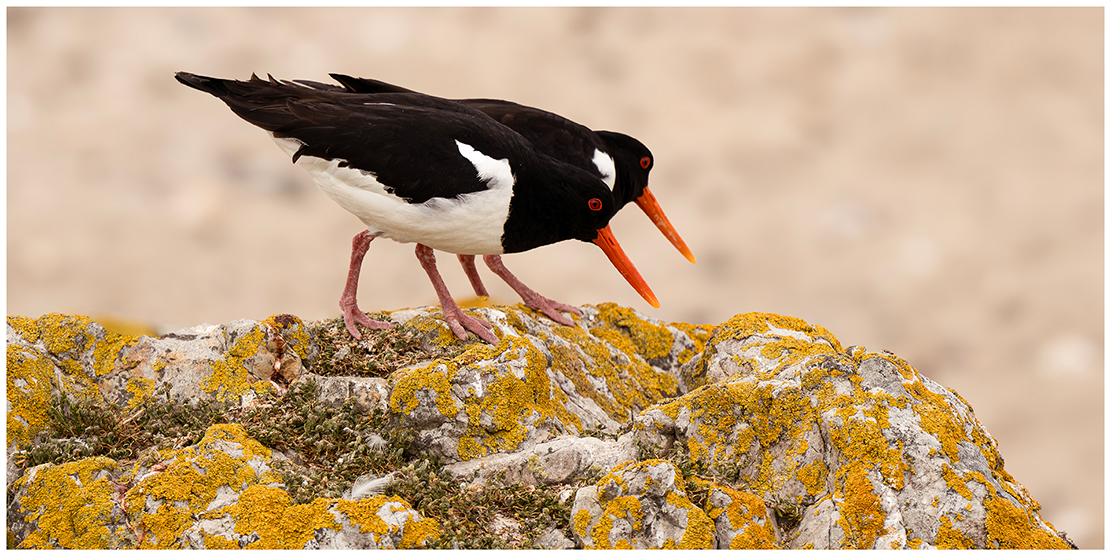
[(561, 460), (742, 521), (794, 441), (73, 505), (60, 353), (540, 381), (640, 505), (219, 493), (554, 539), (868, 452), (368, 393)]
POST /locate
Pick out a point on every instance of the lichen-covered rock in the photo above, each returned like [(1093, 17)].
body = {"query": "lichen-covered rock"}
[(851, 448), (741, 520), (71, 354), (540, 381), (560, 460), (52, 354), (640, 505), (264, 517), (73, 505), (189, 487), (871, 453), (219, 493)]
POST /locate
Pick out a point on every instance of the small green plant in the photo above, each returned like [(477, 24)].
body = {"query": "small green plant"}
[(466, 513), (85, 428), (378, 354)]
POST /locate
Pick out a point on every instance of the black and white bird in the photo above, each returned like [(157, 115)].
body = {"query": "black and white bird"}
[(620, 161), (421, 169)]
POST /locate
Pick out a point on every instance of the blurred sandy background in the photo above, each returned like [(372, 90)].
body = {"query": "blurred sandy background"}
[(926, 181)]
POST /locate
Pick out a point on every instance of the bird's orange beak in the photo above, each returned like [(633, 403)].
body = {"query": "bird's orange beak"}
[(647, 203), (613, 250)]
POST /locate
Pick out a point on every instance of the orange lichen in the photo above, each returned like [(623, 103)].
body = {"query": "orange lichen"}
[(623, 329), (861, 517), (70, 504)]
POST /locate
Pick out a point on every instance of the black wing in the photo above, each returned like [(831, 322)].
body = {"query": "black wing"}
[(549, 133), (407, 140)]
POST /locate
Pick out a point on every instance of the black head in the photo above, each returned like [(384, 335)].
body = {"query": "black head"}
[(556, 202), (633, 161)]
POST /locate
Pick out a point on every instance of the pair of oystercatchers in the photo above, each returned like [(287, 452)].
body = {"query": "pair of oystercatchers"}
[(470, 177)]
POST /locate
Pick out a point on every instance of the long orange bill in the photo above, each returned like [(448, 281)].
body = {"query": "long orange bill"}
[(648, 204), (609, 244)]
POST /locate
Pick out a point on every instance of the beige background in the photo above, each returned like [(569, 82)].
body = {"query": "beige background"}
[(926, 181)]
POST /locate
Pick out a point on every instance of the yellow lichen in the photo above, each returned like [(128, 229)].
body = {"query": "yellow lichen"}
[(140, 389), (71, 508), (230, 379), (860, 515), (955, 482), (748, 516), (512, 404), (949, 537), (30, 377), (581, 523), (813, 476), (189, 481), (1011, 527), (699, 533), (434, 378), (622, 328)]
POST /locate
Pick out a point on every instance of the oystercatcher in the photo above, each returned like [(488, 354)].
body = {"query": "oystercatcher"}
[(620, 161), (421, 169)]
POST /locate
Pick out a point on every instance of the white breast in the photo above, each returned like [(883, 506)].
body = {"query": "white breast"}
[(472, 224)]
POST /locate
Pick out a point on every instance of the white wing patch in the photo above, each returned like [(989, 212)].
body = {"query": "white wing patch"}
[(471, 224), (606, 167), (496, 173)]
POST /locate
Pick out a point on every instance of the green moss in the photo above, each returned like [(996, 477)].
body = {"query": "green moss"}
[(380, 352)]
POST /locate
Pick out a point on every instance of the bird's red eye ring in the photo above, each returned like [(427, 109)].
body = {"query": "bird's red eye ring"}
[(595, 204), (646, 162)]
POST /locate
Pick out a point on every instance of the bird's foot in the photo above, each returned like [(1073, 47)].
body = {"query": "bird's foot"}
[(460, 323), (551, 308), (352, 315), (533, 300)]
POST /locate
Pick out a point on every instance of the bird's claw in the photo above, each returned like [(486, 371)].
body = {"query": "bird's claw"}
[(551, 308), (461, 322), (352, 315)]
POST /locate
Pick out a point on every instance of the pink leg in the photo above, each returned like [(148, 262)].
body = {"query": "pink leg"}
[(472, 274), (530, 297), (348, 302), (456, 319)]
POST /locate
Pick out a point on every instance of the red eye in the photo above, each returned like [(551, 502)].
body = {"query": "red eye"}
[(646, 162), (594, 204)]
